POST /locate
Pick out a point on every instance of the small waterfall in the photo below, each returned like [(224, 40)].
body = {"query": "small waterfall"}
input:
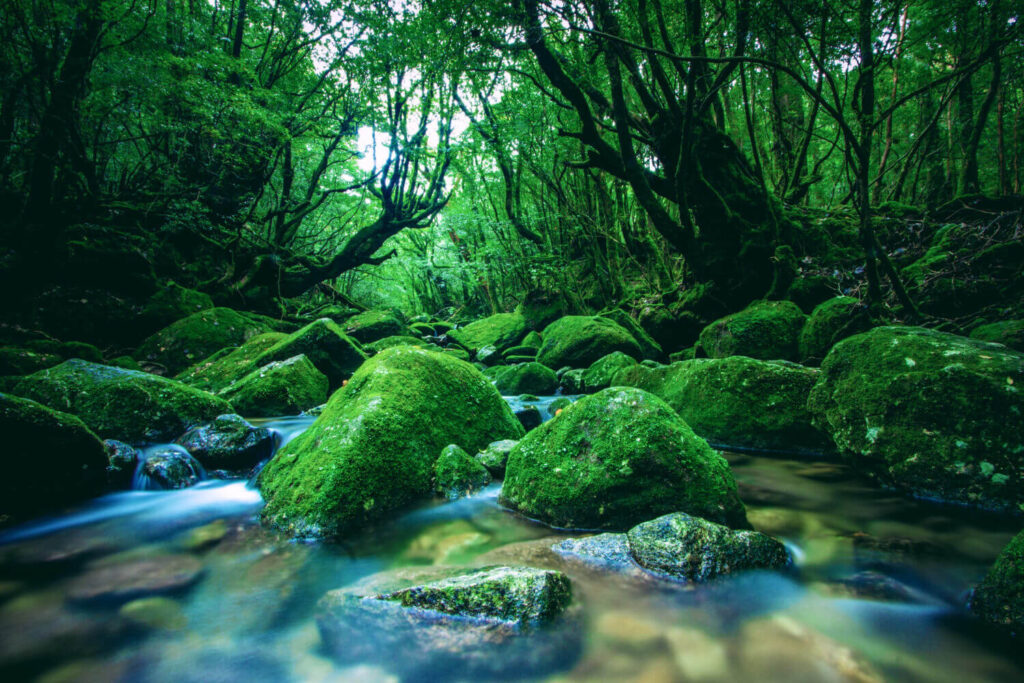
[(166, 466)]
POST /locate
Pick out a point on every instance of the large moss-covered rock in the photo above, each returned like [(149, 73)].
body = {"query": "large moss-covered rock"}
[(369, 326), (578, 341), (325, 345), (49, 458), (831, 322), (695, 550), (501, 331), (934, 414), (746, 403), (283, 387), (191, 339), (767, 330), (495, 457), (173, 302), (599, 375), (399, 340), (67, 350), (456, 474), (1008, 332), (226, 366), (646, 377), (999, 599), (648, 347), (15, 361), (526, 378), (614, 459), (127, 405), (373, 448)]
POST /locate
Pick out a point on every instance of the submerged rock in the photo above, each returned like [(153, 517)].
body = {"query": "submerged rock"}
[(766, 330), (168, 469), (495, 456), (279, 388), (122, 461), (49, 458), (229, 442), (459, 624), (579, 341), (532, 378), (501, 331), (999, 599), (614, 459), (933, 414), (746, 403), (373, 448), (325, 345), (126, 581), (127, 405), (191, 339), (696, 550), (456, 474)]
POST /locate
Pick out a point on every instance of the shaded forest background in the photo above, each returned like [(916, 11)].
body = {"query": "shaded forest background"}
[(676, 159)]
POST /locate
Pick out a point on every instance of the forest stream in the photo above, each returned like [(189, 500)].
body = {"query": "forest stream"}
[(875, 593)]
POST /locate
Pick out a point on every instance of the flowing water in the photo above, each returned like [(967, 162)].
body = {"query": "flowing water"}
[(876, 593)]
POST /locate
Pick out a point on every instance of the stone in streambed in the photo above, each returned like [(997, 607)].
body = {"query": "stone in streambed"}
[(599, 375), (126, 581), (189, 340), (221, 369), (372, 450), (369, 326), (167, 469), (229, 442), (279, 388), (456, 474), (501, 331), (579, 341), (616, 458), (122, 461), (326, 346), (999, 599), (766, 330), (495, 456), (522, 378)]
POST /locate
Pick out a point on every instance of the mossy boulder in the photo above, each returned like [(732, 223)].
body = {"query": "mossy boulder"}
[(532, 378), (1008, 332), (999, 599), (614, 459), (930, 413), (127, 405), (767, 330), (173, 302), (695, 550), (488, 356), (373, 448), (280, 388), (501, 331), (456, 352), (809, 291), (540, 308), (325, 345), (67, 350), (495, 457), (228, 443), (641, 376), (648, 347), (226, 366), (578, 341), (388, 342), (15, 361), (831, 322), (599, 374), (370, 326), (50, 459), (532, 340), (741, 402), (456, 474), (189, 340), (520, 351)]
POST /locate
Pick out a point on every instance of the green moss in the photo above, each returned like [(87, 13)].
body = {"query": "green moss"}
[(696, 550), (373, 448), (931, 413), (325, 345), (830, 323), (999, 599), (126, 405), (456, 474), (520, 351), (228, 365), (560, 403), (388, 342), (579, 341), (615, 459), (191, 339), (461, 354), (599, 374), (66, 350), (126, 362), (767, 330), (540, 308), (641, 377), (16, 361), (745, 403), (284, 387), (370, 326), (173, 302), (810, 290), (1008, 332), (526, 378), (501, 331), (648, 347), (49, 458), (532, 340)]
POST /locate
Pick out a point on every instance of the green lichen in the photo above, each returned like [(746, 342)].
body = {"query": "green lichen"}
[(284, 387), (531, 378), (579, 341), (767, 330), (127, 405), (831, 322), (191, 339), (599, 374), (373, 448), (615, 459), (925, 426), (501, 331), (999, 599), (456, 474), (222, 368), (746, 403), (325, 345)]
